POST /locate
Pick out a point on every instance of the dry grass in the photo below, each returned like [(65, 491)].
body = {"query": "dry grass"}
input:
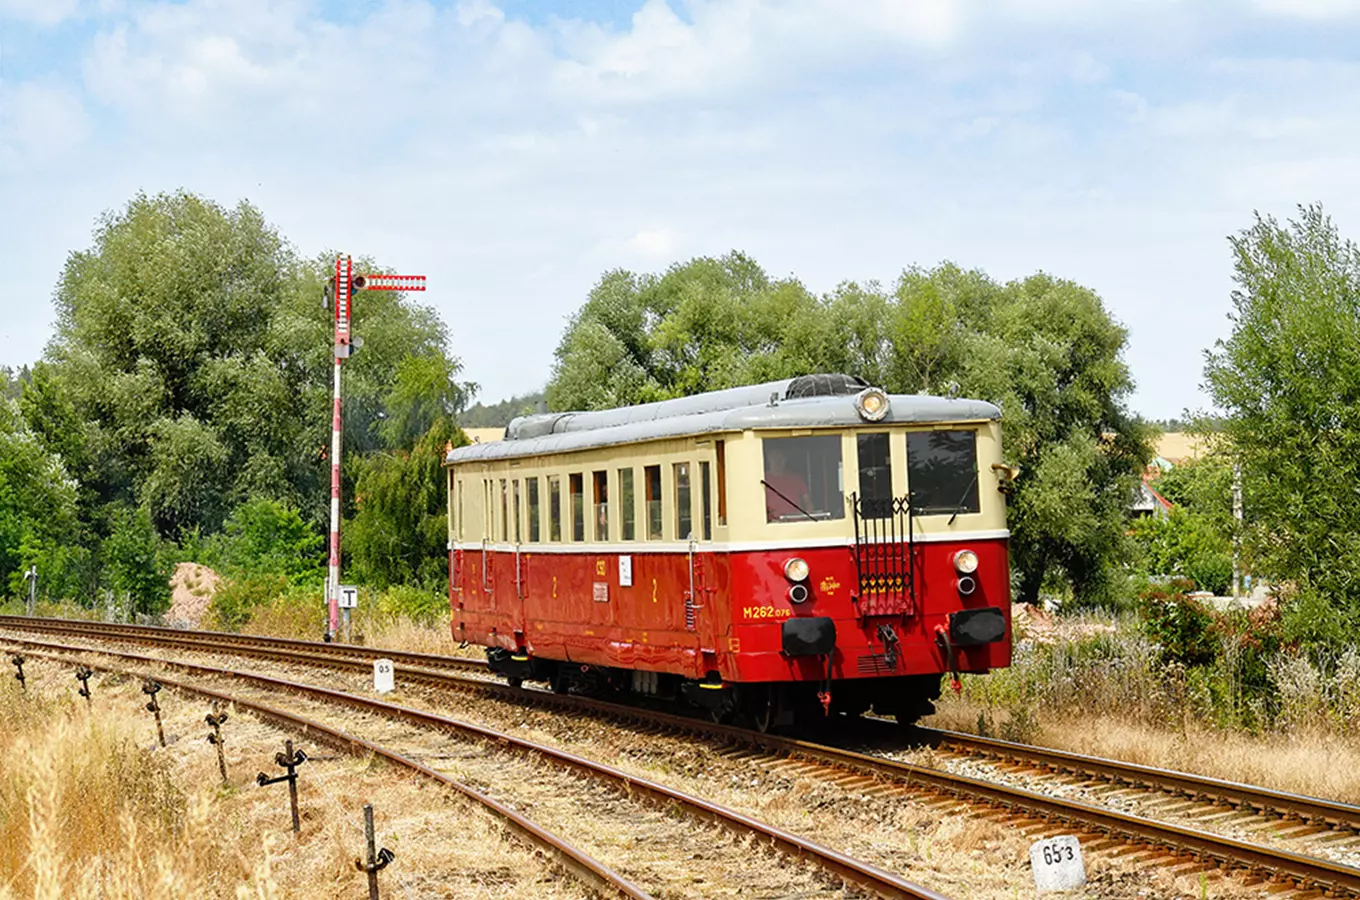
[(1319, 764), (91, 809)]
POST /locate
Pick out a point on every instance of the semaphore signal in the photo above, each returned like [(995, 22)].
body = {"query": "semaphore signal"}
[(343, 285)]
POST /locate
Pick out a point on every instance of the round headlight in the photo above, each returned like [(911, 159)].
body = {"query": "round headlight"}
[(871, 404), (966, 562), (796, 569)]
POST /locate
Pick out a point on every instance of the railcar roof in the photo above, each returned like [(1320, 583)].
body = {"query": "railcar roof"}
[(559, 435)]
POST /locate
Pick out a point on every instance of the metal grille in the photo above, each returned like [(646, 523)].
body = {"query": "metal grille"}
[(884, 557)]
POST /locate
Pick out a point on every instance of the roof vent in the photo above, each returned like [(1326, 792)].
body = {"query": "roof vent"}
[(824, 386)]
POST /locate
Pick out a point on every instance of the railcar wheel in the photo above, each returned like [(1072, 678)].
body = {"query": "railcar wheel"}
[(515, 682), (759, 707)]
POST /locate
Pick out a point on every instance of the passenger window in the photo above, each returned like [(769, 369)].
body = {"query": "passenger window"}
[(626, 504), (942, 472), (505, 511), (554, 508), (532, 487), (875, 476), (652, 474), (576, 484), (705, 515), (721, 447), (684, 523), (803, 479), (601, 497), (515, 485), (460, 509)]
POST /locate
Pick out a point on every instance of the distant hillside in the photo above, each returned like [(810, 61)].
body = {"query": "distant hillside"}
[(500, 414)]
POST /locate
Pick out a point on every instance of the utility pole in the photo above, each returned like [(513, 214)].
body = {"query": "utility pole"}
[(341, 294)]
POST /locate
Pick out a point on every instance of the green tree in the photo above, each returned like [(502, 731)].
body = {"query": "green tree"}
[(37, 500), (136, 573), (1288, 383), (191, 369), (266, 537), (399, 532), (1044, 349)]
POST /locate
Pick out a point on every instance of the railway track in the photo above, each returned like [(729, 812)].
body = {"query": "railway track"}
[(626, 787), (1098, 826)]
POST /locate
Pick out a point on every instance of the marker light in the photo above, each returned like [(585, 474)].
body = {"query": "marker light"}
[(871, 404), (796, 569), (966, 562), (798, 593)]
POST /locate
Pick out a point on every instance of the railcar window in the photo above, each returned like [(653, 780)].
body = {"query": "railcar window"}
[(554, 508), (626, 501), (488, 509), (803, 479), (601, 488), (875, 476), (684, 521), (460, 509), (721, 448), (576, 484), (652, 474), (705, 514), (505, 511), (942, 472), (534, 525), (515, 484)]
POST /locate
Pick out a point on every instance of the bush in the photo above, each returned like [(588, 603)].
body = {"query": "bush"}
[(1181, 627), (238, 599)]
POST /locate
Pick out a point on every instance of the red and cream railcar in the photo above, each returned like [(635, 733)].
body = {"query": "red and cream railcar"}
[(803, 545)]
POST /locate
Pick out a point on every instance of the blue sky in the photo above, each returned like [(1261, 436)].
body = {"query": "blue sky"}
[(514, 151)]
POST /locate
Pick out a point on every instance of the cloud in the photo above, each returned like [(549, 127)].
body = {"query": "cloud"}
[(44, 13), (1310, 9), (40, 124)]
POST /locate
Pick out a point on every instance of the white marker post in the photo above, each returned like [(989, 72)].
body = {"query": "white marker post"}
[(1057, 864), (384, 676)]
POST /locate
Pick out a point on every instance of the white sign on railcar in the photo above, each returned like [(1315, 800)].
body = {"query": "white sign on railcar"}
[(384, 676), (1057, 863), (625, 571), (349, 596)]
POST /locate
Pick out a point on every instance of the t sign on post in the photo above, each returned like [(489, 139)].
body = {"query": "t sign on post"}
[(340, 294)]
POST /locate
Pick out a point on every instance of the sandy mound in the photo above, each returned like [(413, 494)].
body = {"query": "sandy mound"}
[(192, 588)]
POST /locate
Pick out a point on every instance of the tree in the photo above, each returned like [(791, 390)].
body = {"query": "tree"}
[(266, 537), (136, 573), (1288, 382), (398, 534), (191, 368), (1044, 349), (37, 499)]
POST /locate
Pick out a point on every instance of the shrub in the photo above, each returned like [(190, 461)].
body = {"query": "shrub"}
[(238, 599)]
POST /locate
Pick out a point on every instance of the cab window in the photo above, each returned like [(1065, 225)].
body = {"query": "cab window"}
[(875, 476), (803, 479), (942, 472)]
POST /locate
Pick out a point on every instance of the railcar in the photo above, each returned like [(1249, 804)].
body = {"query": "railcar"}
[(797, 548)]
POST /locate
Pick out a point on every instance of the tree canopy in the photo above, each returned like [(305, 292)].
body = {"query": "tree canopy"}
[(1042, 348), (1288, 381)]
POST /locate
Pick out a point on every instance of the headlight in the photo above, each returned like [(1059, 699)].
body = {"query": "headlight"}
[(965, 561), (796, 569), (871, 404)]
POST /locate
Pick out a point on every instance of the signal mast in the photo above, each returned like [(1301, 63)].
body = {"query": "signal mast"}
[(341, 292)]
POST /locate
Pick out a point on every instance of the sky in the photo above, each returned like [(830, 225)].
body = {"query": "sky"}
[(515, 151)]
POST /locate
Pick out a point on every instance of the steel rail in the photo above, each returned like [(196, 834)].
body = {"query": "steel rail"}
[(586, 868), (850, 870), (1304, 869), (150, 633), (1260, 799), (1199, 787)]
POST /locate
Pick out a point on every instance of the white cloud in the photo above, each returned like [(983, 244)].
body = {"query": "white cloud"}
[(44, 13), (40, 124), (1310, 9)]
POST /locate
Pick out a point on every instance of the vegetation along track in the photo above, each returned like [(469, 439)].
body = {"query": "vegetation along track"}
[(1102, 826), (841, 868)]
